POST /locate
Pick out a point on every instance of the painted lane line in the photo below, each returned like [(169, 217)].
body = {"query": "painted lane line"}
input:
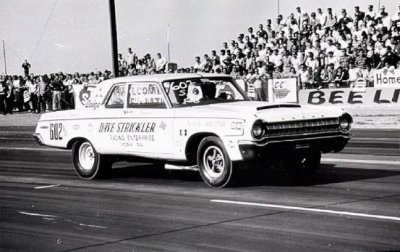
[(92, 226), (305, 209), (31, 149), (44, 187), (361, 161), (37, 214), (339, 160)]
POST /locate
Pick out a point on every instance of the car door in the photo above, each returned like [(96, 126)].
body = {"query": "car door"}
[(148, 124), (102, 123)]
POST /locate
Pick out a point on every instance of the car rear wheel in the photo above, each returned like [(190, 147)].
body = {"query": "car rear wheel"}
[(215, 166), (88, 163)]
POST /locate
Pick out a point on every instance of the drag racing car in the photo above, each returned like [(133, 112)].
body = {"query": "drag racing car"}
[(202, 122)]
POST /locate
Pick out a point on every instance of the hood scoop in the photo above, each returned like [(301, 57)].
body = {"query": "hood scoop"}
[(272, 106)]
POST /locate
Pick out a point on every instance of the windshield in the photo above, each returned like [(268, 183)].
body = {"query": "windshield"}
[(202, 91)]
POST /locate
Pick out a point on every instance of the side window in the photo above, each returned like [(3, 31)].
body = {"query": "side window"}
[(116, 98), (145, 95)]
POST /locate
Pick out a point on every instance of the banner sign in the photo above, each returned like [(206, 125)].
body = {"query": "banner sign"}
[(348, 96), (85, 96), (387, 78), (283, 90)]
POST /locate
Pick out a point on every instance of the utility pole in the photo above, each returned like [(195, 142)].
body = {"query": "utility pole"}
[(278, 8), (114, 40), (168, 31), (5, 61)]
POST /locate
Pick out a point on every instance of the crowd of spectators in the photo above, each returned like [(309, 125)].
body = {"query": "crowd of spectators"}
[(40, 93), (52, 92), (322, 49)]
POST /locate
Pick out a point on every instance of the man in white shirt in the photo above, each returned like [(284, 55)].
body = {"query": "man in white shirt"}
[(161, 63), (353, 73), (371, 12), (331, 47), (276, 58), (198, 66), (386, 20), (332, 60), (299, 15), (321, 17), (131, 57)]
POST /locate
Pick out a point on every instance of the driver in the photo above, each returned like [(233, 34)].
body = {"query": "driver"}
[(209, 91)]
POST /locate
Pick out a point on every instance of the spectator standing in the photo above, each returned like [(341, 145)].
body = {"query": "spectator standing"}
[(3, 91), (10, 95), (69, 91), (361, 59), (122, 64), (330, 19), (358, 15), (390, 58), (41, 90), (150, 64), (321, 17), (18, 92), (161, 63), (344, 59), (197, 64), (32, 89), (260, 95), (26, 66), (371, 13), (56, 88), (131, 57), (353, 73)]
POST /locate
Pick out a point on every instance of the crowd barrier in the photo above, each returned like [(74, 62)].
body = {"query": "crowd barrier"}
[(286, 90), (386, 92)]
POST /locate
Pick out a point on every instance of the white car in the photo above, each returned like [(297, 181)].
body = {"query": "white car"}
[(203, 122)]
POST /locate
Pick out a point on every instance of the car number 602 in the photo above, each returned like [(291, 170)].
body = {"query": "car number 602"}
[(55, 131)]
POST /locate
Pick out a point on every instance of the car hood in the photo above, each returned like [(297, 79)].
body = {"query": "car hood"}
[(270, 112)]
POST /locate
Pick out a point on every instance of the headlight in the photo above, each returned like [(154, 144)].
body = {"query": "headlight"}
[(258, 130), (345, 122)]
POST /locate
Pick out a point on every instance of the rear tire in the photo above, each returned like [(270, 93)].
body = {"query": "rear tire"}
[(88, 163), (215, 166)]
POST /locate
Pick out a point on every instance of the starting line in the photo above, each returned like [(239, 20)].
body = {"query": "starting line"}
[(305, 209)]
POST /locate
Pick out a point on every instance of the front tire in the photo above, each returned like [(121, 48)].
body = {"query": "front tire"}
[(215, 166), (88, 163)]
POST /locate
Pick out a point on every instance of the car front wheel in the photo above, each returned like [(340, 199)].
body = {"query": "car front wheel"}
[(215, 166), (88, 163)]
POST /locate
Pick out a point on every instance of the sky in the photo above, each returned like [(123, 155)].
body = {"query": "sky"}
[(74, 35)]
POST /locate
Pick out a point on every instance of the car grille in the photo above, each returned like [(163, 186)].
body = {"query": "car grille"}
[(300, 128)]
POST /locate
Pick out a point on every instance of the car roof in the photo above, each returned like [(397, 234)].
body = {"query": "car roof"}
[(103, 87)]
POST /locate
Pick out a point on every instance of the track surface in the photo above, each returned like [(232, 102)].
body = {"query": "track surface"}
[(351, 204)]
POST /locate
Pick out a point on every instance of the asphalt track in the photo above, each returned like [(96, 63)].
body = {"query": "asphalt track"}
[(351, 204)]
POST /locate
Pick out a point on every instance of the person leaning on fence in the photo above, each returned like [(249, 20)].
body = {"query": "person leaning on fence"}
[(258, 86)]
